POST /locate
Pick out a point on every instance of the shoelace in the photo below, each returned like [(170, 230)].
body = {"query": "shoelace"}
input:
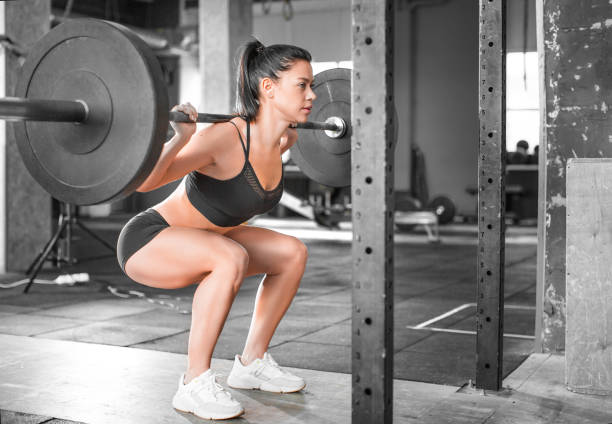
[(274, 365), (212, 385)]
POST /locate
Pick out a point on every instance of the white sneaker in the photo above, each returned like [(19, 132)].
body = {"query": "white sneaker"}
[(263, 374), (205, 398)]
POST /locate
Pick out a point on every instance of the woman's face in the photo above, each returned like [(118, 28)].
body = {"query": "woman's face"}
[(292, 93)]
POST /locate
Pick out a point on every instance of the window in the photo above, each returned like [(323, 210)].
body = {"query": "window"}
[(522, 100), (324, 66)]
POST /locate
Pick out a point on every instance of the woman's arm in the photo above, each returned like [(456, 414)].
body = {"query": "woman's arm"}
[(182, 134), (168, 154), (187, 151), (198, 151)]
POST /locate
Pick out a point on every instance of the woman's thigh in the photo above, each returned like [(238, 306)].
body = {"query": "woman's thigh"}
[(180, 256), (269, 252)]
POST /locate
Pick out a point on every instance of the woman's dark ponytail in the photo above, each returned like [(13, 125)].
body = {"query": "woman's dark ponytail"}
[(247, 102), (256, 62)]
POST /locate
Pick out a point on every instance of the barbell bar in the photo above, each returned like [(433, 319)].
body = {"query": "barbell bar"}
[(76, 111), (16, 109), (91, 111)]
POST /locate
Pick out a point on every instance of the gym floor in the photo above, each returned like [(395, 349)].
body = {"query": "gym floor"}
[(84, 340), (432, 281), (434, 289)]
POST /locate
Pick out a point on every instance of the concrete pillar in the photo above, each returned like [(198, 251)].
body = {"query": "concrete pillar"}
[(372, 186), (25, 208), (574, 39), (224, 26)]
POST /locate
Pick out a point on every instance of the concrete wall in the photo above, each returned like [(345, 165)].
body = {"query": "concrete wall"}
[(321, 27), (575, 42), (445, 98), (25, 208)]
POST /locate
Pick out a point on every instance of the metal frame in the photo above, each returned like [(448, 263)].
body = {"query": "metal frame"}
[(4, 208), (372, 196), (491, 197), (540, 267)]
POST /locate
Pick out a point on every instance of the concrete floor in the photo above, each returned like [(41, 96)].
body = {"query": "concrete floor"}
[(432, 281), (54, 380)]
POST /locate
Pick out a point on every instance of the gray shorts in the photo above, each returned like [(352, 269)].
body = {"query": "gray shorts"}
[(139, 230)]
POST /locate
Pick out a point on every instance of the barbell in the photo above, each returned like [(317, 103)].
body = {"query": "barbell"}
[(92, 115)]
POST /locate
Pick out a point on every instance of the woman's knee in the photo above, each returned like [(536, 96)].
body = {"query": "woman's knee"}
[(233, 259), (297, 251)]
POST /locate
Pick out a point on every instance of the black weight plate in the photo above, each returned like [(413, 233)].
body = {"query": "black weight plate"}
[(115, 73), (443, 207), (324, 159)]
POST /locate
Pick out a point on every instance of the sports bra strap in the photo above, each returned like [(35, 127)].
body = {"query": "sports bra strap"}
[(245, 149), (248, 138)]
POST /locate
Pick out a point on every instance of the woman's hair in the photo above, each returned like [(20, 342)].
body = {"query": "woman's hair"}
[(256, 62)]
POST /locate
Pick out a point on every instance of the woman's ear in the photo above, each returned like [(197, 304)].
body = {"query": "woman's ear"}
[(266, 87)]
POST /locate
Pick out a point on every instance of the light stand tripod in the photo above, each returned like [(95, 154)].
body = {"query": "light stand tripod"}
[(61, 241)]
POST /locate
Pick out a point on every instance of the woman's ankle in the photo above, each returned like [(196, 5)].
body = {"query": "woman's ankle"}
[(247, 358), (190, 374)]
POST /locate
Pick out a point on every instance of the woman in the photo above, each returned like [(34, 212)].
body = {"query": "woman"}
[(233, 171)]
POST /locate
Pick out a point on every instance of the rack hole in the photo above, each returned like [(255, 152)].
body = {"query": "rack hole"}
[(368, 110), (367, 391), (490, 135), (490, 180), (368, 321), (489, 272), (490, 89), (488, 319), (491, 43), (368, 40), (368, 180), (368, 250), (487, 366)]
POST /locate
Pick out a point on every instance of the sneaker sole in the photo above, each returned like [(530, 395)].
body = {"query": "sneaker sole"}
[(212, 417), (264, 388)]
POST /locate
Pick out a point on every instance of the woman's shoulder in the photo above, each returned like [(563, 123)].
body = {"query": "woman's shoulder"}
[(217, 135)]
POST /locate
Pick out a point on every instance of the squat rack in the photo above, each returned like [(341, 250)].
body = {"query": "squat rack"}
[(372, 188), (491, 194)]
